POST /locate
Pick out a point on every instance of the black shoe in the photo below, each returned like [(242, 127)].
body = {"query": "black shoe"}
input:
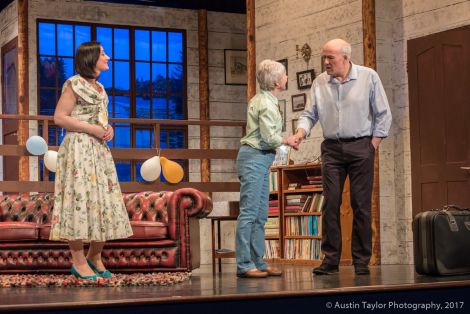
[(325, 269), (361, 269)]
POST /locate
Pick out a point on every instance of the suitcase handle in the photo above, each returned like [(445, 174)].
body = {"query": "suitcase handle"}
[(451, 206)]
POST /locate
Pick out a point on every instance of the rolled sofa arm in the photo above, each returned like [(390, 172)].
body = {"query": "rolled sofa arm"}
[(193, 202)]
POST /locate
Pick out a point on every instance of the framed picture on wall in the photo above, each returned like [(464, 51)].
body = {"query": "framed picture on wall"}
[(282, 109), (305, 79), (285, 64), (235, 67), (294, 125), (298, 102)]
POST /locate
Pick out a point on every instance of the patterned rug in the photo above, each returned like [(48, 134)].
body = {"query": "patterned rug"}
[(118, 280)]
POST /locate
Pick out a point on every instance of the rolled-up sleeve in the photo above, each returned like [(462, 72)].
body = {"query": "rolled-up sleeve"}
[(309, 117), (267, 126), (380, 109)]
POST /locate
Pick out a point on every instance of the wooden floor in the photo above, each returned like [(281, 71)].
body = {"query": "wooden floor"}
[(225, 288)]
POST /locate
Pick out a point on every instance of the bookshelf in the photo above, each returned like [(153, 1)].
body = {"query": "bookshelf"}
[(299, 195), (272, 227)]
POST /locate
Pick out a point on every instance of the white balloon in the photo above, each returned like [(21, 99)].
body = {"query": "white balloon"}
[(50, 160), (151, 169), (36, 145)]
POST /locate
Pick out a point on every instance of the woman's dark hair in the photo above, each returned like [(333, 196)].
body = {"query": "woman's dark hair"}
[(86, 57)]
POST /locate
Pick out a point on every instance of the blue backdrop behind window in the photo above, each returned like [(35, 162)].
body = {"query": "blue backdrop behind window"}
[(154, 90)]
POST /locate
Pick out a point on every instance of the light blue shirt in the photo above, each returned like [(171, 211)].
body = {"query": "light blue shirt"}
[(353, 108)]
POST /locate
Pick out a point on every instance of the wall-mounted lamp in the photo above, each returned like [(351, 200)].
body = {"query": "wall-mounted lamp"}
[(305, 51)]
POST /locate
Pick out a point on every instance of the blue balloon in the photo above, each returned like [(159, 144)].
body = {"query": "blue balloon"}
[(36, 145)]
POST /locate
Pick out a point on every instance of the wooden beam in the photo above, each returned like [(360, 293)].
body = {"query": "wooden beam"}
[(370, 60), (250, 48), (23, 87), (126, 187), (204, 111), (139, 153)]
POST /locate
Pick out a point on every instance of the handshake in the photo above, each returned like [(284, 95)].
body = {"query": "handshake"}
[(295, 139)]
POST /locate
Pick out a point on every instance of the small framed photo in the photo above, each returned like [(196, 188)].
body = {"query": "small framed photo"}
[(235, 67), (282, 109), (305, 79), (285, 64), (322, 62), (298, 102), (294, 125)]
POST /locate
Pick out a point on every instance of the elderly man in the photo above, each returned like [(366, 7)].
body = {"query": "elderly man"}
[(351, 105)]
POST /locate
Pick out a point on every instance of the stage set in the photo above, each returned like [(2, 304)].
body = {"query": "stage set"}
[(389, 288)]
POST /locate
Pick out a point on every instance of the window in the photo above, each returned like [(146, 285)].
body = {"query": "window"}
[(146, 79)]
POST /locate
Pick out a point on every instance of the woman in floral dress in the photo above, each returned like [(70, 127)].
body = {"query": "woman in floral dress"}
[(88, 203)]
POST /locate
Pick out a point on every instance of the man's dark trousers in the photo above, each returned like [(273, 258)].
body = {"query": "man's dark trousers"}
[(342, 157)]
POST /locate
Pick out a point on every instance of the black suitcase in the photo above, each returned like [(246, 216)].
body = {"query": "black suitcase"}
[(441, 241)]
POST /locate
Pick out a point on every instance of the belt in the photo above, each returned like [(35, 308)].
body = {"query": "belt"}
[(347, 140), (272, 151)]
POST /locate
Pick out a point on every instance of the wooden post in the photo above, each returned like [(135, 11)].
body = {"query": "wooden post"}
[(369, 46), (204, 91), (250, 48), (23, 87)]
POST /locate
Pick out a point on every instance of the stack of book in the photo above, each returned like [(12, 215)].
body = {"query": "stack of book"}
[(295, 203), (271, 228), (273, 185), (273, 207), (314, 182), (272, 249)]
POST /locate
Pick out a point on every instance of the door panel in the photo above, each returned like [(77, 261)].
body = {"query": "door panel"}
[(439, 81)]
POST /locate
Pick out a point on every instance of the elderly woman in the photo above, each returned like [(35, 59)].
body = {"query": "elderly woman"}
[(263, 136)]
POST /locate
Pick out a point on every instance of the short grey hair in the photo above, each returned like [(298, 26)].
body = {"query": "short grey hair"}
[(346, 50), (268, 73)]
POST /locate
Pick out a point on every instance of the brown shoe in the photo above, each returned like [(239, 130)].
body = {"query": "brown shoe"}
[(253, 273), (271, 271)]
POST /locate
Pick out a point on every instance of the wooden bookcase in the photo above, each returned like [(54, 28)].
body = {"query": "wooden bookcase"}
[(300, 196)]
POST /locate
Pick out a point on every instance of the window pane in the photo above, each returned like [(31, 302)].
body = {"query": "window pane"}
[(159, 107), (142, 77), (122, 137), (123, 171), (159, 46), (82, 34), (47, 102), (46, 39), (163, 139), (64, 70), (176, 108), (47, 72), (142, 109), (65, 40), (159, 78), (176, 139), (175, 49), (122, 106), (121, 44), (106, 77), (175, 72), (143, 138), (41, 172), (105, 36), (121, 76), (142, 45)]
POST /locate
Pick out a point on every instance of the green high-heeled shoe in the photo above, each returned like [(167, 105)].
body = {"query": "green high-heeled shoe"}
[(77, 275), (104, 274)]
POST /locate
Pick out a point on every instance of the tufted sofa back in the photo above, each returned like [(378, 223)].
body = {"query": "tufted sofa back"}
[(37, 208)]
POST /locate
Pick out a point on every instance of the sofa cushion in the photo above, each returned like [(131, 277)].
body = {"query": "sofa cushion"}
[(18, 231), (148, 230)]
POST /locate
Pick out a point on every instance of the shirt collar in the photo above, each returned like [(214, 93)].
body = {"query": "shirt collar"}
[(351, 76), (270, 96)]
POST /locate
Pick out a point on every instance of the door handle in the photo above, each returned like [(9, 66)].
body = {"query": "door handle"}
[(465, 168)]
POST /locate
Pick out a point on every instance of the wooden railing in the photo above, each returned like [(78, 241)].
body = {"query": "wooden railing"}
[(130, 154)]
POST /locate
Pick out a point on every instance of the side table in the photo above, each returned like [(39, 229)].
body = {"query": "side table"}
[(217, 251)]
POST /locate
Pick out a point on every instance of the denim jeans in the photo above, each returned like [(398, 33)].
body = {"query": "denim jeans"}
[(253, 172)]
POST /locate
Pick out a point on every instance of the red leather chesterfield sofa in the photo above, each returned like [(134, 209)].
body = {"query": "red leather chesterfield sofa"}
[(165, 225)]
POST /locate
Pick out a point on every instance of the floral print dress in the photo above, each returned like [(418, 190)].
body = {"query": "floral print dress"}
[(88, 203)]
